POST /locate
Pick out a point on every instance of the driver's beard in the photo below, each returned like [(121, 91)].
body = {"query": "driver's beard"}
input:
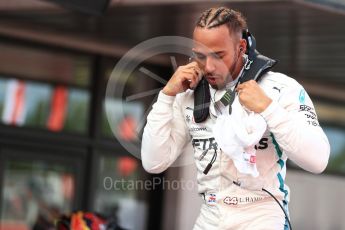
[(230, 77)]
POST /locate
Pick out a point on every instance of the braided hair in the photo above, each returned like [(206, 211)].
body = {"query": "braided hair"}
[(215, 17)]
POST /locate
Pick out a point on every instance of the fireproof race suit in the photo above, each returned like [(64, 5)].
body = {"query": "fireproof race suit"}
[(234, 200)]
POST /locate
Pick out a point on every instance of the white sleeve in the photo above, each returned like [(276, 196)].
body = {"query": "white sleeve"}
[(165, 134), (293, 122)]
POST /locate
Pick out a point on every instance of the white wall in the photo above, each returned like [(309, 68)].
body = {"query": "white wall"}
[(317, 201)]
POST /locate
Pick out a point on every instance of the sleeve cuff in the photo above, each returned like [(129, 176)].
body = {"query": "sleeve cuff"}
[(165, 98)]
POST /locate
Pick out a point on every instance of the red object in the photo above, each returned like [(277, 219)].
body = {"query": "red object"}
[(82, 221), (58, 109), (77, 222), (126, 128), (96, 221), (252, 159), (18, 102), (126, 165), (68, 186)]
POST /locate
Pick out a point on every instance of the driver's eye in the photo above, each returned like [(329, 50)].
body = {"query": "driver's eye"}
[(200, 56), (217, 56)]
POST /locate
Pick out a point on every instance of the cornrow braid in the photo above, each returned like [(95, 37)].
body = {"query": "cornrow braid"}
[(215, 17)]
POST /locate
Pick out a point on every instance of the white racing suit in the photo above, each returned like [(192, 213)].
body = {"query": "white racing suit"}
[(234, 200)]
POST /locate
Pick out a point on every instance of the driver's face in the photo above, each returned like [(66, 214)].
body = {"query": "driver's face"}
[(216, 52)]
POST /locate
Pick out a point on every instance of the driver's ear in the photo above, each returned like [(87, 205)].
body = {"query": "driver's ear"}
[(243, 46)]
